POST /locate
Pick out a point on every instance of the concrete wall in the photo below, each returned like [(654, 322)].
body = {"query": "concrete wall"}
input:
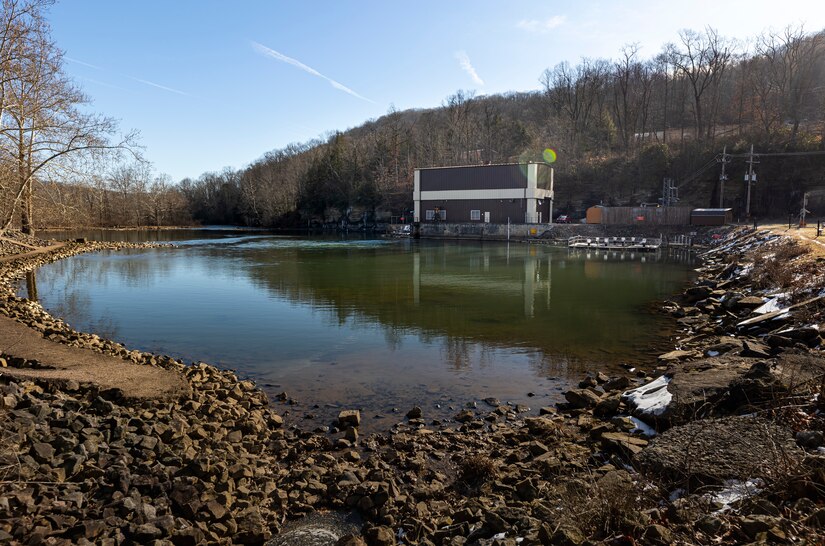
[(545, 232), (476, 230)]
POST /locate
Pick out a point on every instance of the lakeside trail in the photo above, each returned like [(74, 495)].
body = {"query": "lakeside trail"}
[(37, 251), (718, 442), (58, 362)]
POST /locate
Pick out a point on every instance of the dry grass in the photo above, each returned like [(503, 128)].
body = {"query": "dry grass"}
[(476, 470), (778, 266), (602, 506)]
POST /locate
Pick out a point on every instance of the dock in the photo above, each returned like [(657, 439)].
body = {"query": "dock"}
[(642, 244)]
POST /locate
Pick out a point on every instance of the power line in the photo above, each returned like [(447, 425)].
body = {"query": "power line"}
[(778, 154)]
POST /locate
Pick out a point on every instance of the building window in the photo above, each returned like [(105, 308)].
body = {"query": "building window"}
[(475, 215), (436, 215)]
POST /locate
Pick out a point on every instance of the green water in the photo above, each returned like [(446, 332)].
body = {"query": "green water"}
[(376, 324)]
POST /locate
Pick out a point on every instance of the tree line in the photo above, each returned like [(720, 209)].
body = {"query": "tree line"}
[(618, 126), (60, 163)]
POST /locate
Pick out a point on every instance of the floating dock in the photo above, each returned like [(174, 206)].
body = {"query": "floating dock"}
[(642, 244)]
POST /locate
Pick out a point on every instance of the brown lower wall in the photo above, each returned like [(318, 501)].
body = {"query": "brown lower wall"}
[(649, 216), (458, 210)]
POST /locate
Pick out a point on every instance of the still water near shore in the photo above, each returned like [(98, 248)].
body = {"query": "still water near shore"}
[(375, 324)]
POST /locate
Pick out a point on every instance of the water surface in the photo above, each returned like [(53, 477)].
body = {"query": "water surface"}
[(376, 324)]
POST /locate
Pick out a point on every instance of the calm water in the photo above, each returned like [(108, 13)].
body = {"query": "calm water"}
[(375, 324)]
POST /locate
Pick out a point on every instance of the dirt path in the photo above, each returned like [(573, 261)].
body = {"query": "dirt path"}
[(19, 243), (806, 235), (37, 251), (83, 365)]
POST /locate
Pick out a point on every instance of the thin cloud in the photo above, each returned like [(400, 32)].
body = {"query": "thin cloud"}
[(263, 50), (104, 84), (546, 25), (159, 86), (76, 61), (144, 82), (467, 66)]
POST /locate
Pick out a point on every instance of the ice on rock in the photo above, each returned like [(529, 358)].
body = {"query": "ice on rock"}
[(652, 398)]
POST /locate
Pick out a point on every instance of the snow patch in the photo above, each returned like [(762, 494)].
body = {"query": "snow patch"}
[(652, 398), (643, 428), (734, 491), (769, 306)]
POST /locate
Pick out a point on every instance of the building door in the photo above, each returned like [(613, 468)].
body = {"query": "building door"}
[(487, 217)]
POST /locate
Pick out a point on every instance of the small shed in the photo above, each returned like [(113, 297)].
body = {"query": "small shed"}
[(711, 217), (594, 215)]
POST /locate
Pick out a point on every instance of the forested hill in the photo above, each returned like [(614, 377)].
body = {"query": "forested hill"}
[(618, 126)]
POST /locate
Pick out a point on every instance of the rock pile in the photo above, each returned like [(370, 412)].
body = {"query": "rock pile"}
[(81, 465)]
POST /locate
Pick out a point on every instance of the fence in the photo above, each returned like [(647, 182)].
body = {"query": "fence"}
[(648, 216)]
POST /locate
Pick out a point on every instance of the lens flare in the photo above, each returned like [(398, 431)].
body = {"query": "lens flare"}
[(549, 155)]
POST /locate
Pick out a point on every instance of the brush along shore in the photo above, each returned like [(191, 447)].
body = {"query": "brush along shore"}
[(718, 442)]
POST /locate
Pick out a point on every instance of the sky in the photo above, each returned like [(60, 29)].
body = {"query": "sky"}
[(213, 84)]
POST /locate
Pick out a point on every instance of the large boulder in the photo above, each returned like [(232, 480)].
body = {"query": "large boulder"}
[(711, 451), (709, 387)]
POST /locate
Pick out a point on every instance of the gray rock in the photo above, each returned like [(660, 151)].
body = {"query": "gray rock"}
[(674, 356), (617, 384), (380, 536), (710, 525), (659, 534), (581, 398), (710, 451), (754, 349), (755, 524), (465, 416), (350, 418), (567, 535), (810, 439), (42, 452)]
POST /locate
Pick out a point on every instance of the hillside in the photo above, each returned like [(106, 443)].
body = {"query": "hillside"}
[(619, 127)]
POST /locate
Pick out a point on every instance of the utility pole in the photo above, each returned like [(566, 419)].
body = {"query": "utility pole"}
[(723, 177), (750, 178), (804, 210)]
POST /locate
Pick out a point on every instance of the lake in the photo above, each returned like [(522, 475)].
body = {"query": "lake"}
[(376, 324)]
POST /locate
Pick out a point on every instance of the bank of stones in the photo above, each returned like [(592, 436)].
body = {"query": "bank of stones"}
[(80, 465)]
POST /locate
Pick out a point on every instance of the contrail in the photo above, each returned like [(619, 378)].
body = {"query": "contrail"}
[(104, 84), (467, 66), (159, 86), (263, 50), (81, 62)]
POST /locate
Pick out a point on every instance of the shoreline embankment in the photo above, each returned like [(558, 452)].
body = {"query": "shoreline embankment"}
[(721, 442)]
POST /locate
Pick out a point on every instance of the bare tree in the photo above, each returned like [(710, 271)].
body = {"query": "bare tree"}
[(701, 58), (575, 95), (792, 60), (41, 120), (632, 83)]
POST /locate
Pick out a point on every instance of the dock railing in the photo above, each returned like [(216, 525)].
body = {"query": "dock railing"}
[(634, 243)]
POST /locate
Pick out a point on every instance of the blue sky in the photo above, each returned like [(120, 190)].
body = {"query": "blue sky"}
[(212, 84)]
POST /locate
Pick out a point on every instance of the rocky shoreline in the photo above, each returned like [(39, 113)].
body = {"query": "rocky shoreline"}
[(720, 444)]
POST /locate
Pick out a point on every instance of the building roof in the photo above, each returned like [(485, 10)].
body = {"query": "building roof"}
[(710, 212), (485, 165)]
